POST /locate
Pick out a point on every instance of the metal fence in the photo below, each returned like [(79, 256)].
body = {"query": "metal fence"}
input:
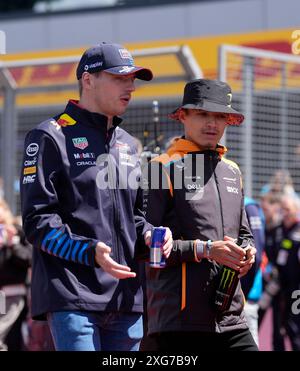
[(266, 88), (142, 119)]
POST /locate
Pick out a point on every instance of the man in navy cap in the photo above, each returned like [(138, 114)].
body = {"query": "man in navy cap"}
[(83, 215)]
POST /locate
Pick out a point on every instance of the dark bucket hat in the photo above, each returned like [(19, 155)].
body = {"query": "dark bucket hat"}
[(210, 96)]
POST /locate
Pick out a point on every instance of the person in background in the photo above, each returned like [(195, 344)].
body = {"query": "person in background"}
[(15, 260), (252, 283), (272, 296), (280, 183), (288, 265)]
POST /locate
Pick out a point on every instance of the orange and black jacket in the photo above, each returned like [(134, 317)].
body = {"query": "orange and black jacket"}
[(208, 204)]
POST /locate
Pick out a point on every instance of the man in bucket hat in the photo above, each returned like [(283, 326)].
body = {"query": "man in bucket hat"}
[(85, 280), (200, 197)]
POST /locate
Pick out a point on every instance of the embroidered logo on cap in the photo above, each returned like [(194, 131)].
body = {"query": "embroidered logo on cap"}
[(126, 69), (93, 65), (124, 53)]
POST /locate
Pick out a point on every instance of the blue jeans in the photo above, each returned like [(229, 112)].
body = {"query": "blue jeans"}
[(96, 331)]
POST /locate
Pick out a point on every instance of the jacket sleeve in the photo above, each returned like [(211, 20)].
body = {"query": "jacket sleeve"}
[(141, 224), (152, 199), (42, 206), (245, 236), (182, 251), (156, 193)]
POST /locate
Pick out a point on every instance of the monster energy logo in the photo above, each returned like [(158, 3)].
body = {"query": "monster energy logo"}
[(227, 278)]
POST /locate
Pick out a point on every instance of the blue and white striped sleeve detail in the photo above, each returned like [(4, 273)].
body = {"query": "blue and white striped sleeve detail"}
[(61, 245)]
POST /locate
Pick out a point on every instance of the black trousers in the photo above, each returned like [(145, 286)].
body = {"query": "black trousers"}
[(237, 340)]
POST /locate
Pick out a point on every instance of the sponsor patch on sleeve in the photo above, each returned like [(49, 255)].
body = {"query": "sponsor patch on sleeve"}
[(29, 179), (32, 149), (29, 170)]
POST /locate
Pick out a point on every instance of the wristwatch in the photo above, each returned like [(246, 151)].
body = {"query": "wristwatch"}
[(208, 247), (199, 250)]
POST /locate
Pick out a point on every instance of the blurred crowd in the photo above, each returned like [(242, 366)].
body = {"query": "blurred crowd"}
[(280, 267), (17, 330), (281, 264)]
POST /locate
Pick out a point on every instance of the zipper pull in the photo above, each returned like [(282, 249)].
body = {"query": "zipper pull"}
[(107, 140), (109, 135)]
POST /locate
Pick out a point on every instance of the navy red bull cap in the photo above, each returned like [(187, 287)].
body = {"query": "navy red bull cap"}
[(111, 58)]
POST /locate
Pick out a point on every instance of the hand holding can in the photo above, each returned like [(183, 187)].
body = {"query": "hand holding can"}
[(157, 258)]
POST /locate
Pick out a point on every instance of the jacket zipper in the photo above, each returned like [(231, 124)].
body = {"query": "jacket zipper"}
[(114, 199), (117, 224), (218, 193), (216, 182)]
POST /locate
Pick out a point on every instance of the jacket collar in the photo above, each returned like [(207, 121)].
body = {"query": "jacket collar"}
[(183, 146), (85, 117)]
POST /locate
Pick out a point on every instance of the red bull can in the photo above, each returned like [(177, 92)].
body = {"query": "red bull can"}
[(157, 258)]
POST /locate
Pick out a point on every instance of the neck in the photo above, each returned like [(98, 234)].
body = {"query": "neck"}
[(90, 106), (203, 146)]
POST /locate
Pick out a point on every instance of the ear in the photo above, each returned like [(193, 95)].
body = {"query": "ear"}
[(181, 115), (87, 81)]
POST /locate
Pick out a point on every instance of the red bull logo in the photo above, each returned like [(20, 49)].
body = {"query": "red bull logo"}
[(65, 120)]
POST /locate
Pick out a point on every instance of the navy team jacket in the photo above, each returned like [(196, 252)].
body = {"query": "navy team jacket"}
[(67, 207)]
